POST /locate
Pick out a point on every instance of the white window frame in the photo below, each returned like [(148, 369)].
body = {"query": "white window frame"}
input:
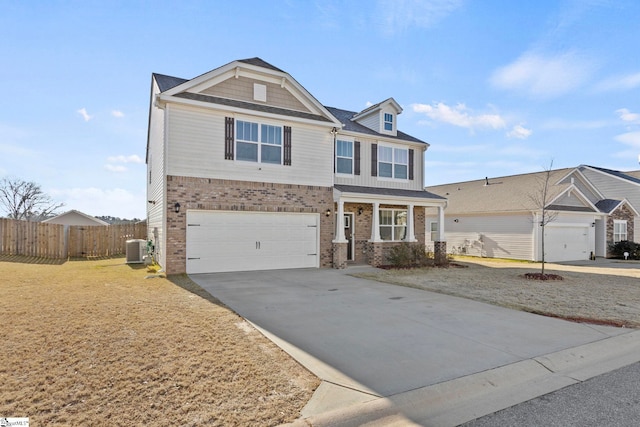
[(395, 228), (433, 233), (394, 161), (386, 122), (617, 224), (260, 143), (352, 158)]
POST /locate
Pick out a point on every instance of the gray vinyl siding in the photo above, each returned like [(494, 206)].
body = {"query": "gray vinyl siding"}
[(371, 121), (366, 180), (498, 236), (614, 188), (156, 182), (196, 149), (569, 199)]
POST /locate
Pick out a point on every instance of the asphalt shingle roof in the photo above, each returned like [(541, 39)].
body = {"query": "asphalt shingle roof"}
[(167, 82), (607, 205), (345, 117), (503, 194), (387, 191)]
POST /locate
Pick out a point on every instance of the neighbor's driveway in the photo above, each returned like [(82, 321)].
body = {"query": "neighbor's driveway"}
[(384, 339)]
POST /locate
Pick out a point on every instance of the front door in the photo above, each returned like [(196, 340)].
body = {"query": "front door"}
[(348, 234)]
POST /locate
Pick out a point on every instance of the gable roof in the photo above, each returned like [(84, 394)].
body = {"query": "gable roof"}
[(505, 194), (627, 176), (608, 205), (190, 90), (350, 125), (72, 213), (371, 109)]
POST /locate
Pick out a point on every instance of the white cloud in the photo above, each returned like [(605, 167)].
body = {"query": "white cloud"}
[(460, 116), (628, 116), (97, 201), (630, 138), (134, 158), (621, 82), (115, 168), (544, 76), (399, 15), (84, 114), (117, 113), (519, 132)]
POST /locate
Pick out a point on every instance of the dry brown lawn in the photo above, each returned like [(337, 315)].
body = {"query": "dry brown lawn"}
[(609, 296), (96, 343)]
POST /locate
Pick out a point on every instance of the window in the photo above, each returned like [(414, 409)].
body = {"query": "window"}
[(619, 230), (393, 224), (258, 142), (388, 122), (434, 231), (393, 162), (344, 157)]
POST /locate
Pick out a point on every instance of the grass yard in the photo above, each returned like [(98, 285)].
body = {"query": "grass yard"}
[(96, 343), (598, 295)]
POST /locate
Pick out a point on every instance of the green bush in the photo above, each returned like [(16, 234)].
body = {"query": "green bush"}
[(617, 250), (409, 255)]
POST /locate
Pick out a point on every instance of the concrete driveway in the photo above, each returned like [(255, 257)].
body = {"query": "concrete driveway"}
[(367, 339)]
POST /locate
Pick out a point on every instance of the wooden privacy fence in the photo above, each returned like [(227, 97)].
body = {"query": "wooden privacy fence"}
[(59, 241)]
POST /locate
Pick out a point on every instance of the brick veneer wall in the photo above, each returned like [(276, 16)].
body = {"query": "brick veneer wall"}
[(227, 195), (623, 213)]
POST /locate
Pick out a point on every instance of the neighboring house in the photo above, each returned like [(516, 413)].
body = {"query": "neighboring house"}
[(500, 218), (248, 171), (74, 217)]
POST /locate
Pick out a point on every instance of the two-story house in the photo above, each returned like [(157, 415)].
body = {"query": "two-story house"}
[(248, 171)]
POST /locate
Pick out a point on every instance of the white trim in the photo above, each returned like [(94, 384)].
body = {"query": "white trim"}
[(393, 147), (353, 158)]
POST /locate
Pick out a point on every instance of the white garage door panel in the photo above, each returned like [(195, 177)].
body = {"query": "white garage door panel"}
[(566, 243), (240, 241)]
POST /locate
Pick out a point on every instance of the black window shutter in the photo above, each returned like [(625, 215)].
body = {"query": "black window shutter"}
[(374, 159), (228, 138), (287, 146), (356, 158), (410, 164)]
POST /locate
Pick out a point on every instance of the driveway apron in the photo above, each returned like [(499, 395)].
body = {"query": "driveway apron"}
[(384, 339)]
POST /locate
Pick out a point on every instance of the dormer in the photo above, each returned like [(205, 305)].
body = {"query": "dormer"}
[(381, 117)]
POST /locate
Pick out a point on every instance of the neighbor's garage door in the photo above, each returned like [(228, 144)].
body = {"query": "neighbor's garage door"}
[(566, 243), (238, 241)]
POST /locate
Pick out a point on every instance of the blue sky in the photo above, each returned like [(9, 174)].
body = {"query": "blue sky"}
[(496, 87)]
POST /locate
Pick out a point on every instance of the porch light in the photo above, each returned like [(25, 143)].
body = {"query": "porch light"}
[(593, 224), (327, 213), (176, 207), (360, 210)]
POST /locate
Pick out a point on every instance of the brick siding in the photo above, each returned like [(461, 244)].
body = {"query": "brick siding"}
[(227, 195)]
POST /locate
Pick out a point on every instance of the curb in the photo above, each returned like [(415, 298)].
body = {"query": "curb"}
[(464, 399)]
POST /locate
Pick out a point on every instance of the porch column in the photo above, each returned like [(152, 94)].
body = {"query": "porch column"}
[(340, 237), (440, 245), (411, 235), (440, 224), (375, 226)]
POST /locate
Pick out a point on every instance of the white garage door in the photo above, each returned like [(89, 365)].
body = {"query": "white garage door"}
[(240, 241), (566, 243)]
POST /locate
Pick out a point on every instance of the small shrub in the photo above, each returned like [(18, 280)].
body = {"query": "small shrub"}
[(409, 255), (617, 250)]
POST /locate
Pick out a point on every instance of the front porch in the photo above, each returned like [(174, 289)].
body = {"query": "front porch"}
[(371, 221)]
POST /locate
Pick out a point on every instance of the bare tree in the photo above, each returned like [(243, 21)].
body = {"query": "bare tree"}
[(26, 200), (541, 200)]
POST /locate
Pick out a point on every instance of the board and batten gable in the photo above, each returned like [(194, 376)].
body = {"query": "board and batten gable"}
[(243, 89), (365, 179), (196, 148), (156, 176)]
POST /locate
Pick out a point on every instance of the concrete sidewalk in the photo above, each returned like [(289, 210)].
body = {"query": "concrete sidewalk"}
[(403, 355)]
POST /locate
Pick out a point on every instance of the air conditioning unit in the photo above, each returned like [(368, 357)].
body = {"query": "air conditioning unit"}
[(136, 250)]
